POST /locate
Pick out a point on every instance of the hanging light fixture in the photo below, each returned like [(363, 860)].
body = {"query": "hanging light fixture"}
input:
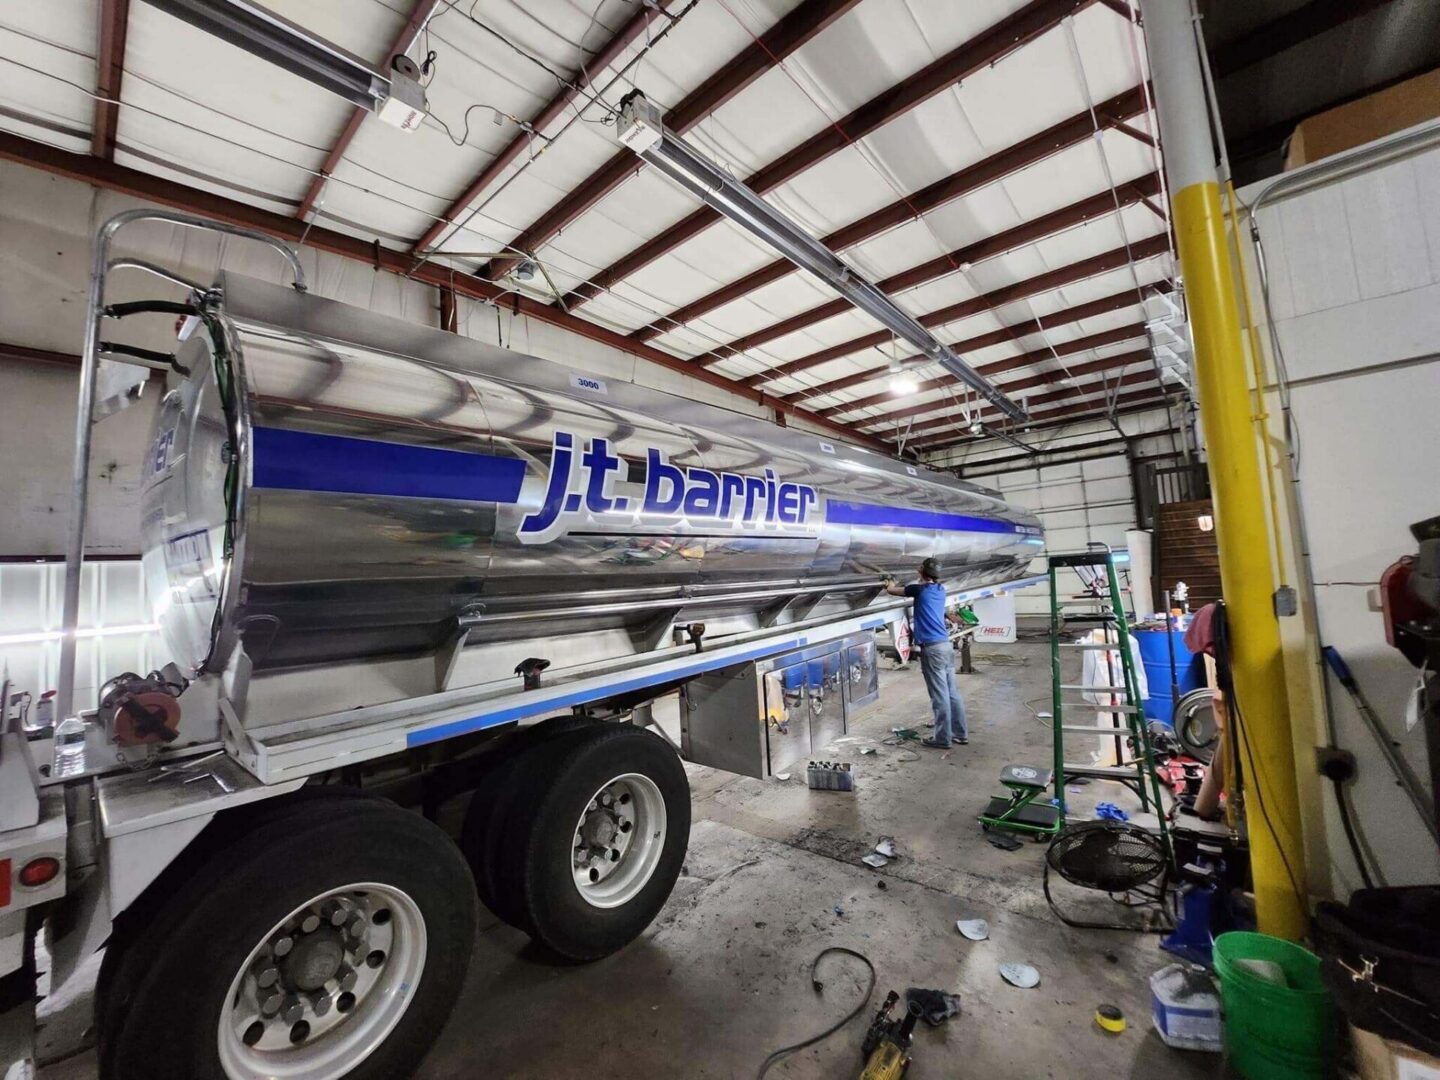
[(395, 96), (640, 128), (903, 384)]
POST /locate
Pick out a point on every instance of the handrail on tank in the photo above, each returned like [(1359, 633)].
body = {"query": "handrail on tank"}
[(158, 271), (80, 478)]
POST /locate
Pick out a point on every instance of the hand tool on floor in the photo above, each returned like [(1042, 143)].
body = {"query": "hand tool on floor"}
[(886, 1048)]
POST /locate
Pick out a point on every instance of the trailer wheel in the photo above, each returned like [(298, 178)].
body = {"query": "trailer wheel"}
[(329, 940), (501, 806), (603, 845)]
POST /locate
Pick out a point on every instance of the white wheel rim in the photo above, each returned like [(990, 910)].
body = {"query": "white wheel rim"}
[(618, 840), (331, 1014)]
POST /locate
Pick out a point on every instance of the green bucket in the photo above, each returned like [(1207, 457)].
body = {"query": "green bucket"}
[(1275, 1032)]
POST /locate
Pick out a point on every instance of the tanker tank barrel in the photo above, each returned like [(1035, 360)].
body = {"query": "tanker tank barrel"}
[(329, 485)]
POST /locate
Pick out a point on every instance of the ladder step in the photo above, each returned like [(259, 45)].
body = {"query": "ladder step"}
[(1108, 646), (1095, 729), (1099, 706), (1082, 559), (1084, 600), (1096, 689), (1102, 772)]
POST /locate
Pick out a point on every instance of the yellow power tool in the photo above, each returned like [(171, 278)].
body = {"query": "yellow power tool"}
[(886, 1048)]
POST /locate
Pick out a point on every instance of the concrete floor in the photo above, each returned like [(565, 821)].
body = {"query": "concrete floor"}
[(722, 976)]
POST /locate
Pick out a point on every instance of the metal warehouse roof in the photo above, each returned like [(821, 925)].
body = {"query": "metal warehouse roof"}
[(992, 163)]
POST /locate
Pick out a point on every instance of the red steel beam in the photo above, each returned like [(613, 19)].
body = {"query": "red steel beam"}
[(1051, 279), (166, 192), (987, 248), (1042, 378), (1134, 401), (403, 41), (1052, 140), (979, 52), (109, 72), (794, 30), (990, 415), (26, 354), (608, 54), (1014, 332), (999, 367)]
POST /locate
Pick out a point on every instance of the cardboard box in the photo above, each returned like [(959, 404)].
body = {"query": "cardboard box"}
[(1382, 1059), (1383, 113)]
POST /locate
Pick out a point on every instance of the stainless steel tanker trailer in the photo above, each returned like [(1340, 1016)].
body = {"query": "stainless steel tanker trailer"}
[(395, 568)]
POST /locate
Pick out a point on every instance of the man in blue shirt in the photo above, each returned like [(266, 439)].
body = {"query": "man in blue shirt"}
[(937, 655)]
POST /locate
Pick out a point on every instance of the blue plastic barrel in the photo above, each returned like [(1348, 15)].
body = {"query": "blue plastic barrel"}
[(1155, 655)]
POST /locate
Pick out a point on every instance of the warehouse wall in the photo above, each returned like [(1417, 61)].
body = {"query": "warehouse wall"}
[(1088, 499), (46, 225), (1354, 270)]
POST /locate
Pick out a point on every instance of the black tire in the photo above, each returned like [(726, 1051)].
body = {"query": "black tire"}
[(556, 914), (226, 829), (166, 979), (501, 805)]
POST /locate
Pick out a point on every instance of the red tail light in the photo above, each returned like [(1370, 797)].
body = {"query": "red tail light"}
[(39, 871)]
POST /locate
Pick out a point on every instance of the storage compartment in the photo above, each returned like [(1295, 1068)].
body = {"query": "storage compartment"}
[(767, 716)]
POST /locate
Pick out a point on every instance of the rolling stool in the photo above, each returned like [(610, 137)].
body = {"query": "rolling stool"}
[(1018, 811)]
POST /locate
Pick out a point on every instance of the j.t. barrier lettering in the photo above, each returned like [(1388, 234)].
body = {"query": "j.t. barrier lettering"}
[(581, 489)]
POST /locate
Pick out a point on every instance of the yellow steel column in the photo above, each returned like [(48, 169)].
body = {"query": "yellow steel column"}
[(1246, 569)]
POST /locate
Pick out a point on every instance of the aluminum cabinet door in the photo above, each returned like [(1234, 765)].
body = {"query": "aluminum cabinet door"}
[(787, 707), (826, 686), (862, 674)]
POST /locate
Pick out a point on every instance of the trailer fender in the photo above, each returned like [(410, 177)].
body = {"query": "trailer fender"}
[(145, 821)]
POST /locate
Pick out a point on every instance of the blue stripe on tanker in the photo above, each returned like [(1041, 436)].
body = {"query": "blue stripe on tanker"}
[(309, 461), (838, 512), (294, 460)]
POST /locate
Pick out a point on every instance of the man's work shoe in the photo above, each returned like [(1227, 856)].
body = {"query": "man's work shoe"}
[(934, 745)]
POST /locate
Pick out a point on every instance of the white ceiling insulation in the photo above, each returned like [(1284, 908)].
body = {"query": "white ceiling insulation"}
[(198, 110)]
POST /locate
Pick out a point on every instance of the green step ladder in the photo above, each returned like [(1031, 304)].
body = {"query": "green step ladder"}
[(1100, 605)]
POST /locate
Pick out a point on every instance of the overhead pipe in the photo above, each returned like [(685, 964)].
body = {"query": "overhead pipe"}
[(641, 129)]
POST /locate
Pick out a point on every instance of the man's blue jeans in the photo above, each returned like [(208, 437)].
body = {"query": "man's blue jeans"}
[(937, 664)]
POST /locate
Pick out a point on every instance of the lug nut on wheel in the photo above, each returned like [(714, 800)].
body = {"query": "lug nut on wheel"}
[(292, 1012)]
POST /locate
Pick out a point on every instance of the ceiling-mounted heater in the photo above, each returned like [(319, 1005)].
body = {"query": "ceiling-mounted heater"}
[(396, 96), (641, 129)]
